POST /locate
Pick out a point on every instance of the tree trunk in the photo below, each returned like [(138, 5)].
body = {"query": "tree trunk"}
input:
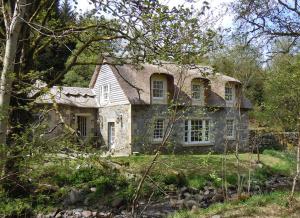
[(298, 163), (13, 26), (12, 36)]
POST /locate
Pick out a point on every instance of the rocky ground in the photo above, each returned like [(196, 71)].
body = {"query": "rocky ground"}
[(182, 198)]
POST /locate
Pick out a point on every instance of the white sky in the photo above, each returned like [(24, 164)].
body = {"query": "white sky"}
[(218, 8)]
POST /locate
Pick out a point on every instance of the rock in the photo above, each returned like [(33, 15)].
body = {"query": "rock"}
[(206, 192), (259, 165), (180, 204), (39, 215), (218, 198), (93, 189), (190, 203), (198, 197), (194, 209), (104, 214), (183, 189), (86, 213), (216, 216), (94, 214), (193, 190), (187, 195), (173, 202), (117, 202), (59, 215), (74, 196)]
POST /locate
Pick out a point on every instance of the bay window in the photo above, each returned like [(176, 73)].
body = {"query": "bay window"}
[(196, 131)]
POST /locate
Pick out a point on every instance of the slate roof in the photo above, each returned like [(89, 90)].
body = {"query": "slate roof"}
[(72, 96)]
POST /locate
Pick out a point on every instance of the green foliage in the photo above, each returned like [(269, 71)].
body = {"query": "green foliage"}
[(242, 61), (281, 106), (14, 207), (177, 179), (248, 207)]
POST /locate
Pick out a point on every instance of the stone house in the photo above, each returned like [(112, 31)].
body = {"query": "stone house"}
[(131, 108)]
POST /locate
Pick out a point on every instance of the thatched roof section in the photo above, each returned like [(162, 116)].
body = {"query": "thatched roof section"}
[(135, 81), (72, 96)]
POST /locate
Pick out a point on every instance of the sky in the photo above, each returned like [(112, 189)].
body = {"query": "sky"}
[(218, 7)]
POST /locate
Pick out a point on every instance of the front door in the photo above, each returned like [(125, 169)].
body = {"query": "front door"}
[(111, 135)]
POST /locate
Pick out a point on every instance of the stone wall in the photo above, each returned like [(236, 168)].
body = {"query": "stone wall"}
[(272, 140), (121, 116), (69, 116), (143, 118)]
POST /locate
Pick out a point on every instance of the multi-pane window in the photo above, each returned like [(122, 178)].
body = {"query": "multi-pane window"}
[(104, 93), (230, 128), (228, 93), (197, 131), (158, 89), (111, 133), (196, 91), (158, 132), (81, 126)]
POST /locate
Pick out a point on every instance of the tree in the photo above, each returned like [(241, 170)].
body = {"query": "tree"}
[(282, 92), (242, 61), (283, 98), (137, 31), (134, 32), (267, 21)]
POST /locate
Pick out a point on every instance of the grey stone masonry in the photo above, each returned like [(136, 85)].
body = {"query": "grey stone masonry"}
[(120, 115), (143, 122)]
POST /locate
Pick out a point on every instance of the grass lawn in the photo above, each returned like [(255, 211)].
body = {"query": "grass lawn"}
[(274, 204), (52, 177), (198, 168)]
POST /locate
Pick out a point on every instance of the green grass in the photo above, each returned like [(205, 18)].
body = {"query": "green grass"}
[(169, 173), (274, 204), (199, 169)]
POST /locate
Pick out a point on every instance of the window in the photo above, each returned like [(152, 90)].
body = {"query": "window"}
[(228, 93), (81, 126), (158, 132), (158, 89), (230, 128), (196, 91), (104, 93), (196, 131), (111, 134)]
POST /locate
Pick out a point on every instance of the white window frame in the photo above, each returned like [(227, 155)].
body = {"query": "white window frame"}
[(104, 99), (232, 94), (87, 120), (111, 131), (163, 89), (205, 132), (161, 130), (231, 136)]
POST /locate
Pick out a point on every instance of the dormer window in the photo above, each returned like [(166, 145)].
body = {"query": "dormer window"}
[(158, 89), (229, 96), (196, 92)]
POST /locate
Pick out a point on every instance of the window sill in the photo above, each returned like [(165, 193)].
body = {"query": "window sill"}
[(156, 141), (230, 138), (197, 144)]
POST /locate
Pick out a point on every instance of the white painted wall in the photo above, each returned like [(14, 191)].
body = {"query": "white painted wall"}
[(116, 94)]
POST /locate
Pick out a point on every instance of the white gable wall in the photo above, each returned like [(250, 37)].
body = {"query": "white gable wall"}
[(116, 94)]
